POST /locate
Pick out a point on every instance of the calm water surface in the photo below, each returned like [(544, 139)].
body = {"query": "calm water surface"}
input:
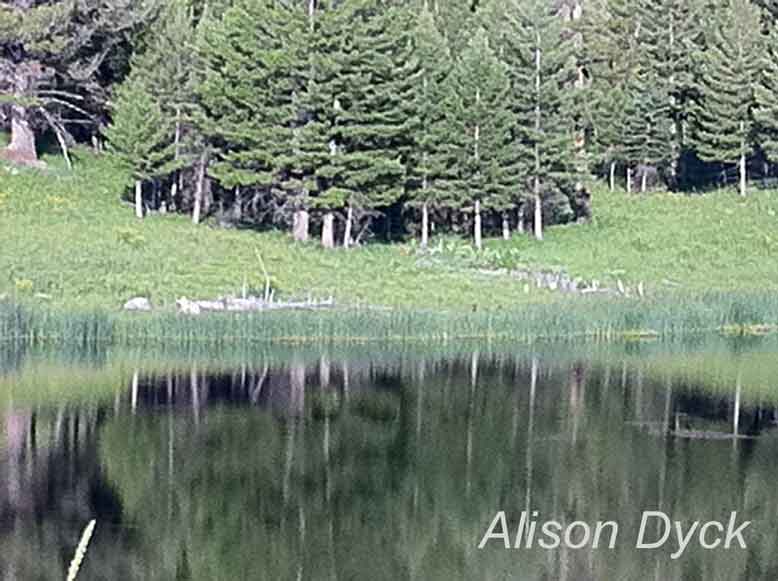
[(369, 464)]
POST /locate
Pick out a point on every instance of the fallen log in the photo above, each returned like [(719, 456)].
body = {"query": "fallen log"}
[(247, 305)]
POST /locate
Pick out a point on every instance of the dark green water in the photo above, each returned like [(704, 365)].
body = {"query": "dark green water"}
[(366, 464)]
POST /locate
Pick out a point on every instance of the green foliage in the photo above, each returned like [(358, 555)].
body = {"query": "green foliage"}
[(730, 68), (542, 67), (670, 35), (249, 81), (428, 159), (766, 96), (609, 48), (479, 156), (169, 66), (358, 102), (139, 136), (456, 23), (647, 129)]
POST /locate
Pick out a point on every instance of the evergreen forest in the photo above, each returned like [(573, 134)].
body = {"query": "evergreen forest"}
[(351, 120)]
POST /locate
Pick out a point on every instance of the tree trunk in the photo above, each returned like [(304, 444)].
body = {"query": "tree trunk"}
[(644, 179), (328, 230), (520, 219), (139, 199), (425, 225), (22, 147), (629, 180), (477, 225), (743, 176), (237, 206), (176, 155), (538, 213), (538, 205), (301, 225), (325, 372), (198, 202), (506, 227), (612, 179), (347, 241)]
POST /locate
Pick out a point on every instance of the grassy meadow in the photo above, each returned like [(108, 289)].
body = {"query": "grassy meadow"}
[(73, 253), (68, 242), (699, 242)]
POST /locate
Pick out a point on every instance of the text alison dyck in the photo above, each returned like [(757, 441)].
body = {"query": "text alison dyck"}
[(657, 530)]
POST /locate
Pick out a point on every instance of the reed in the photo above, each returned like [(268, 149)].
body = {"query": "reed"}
[(574, 318), (78, 558)]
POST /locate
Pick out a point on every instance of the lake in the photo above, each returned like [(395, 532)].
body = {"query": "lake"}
[(369, 463)]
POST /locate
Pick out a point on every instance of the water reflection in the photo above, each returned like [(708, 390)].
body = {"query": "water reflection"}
[(324, 466)]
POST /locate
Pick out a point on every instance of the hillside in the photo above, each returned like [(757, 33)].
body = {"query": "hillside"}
[(717, 240), (68, 242)]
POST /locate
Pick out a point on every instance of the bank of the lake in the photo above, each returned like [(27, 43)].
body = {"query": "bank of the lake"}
[(70, 245), (564, 319)]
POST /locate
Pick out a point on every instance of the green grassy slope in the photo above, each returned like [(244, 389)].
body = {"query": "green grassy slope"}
[(66, 241), (714, 241), (68, 237)]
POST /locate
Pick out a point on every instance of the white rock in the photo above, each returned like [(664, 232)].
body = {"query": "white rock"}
[(187, 307), (138, 304)]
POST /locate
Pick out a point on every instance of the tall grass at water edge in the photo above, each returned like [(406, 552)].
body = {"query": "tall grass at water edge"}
[(598, 318)]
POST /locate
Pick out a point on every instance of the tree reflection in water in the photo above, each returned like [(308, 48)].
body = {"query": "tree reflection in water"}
[(331, 467)]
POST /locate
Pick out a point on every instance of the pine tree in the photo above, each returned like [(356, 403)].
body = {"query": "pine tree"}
[(480, 157), (766, 97), (729, 72), (358, 109), (647, 129), (247, 93), (378, 119), (315, 137), (455, 21), (543, 72), (428, 161), (610, 46), (668, 35), (606, 117), (55, 63), (139, 135), (168, 64)]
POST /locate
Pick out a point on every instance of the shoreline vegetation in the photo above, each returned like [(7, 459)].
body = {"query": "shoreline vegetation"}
[(601, 319), (456, 220), (72, 256)]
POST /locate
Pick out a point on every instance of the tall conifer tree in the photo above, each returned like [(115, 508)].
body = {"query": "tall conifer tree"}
[(139, 135), (168, 64), (669, 34), (481, 159), (428, 159), (766, 97), (725, 128), (647, 130), (543, 70), (248, 93), (359, 109)]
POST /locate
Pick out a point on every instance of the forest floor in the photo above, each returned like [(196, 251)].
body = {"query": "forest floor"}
[(67, 242)]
